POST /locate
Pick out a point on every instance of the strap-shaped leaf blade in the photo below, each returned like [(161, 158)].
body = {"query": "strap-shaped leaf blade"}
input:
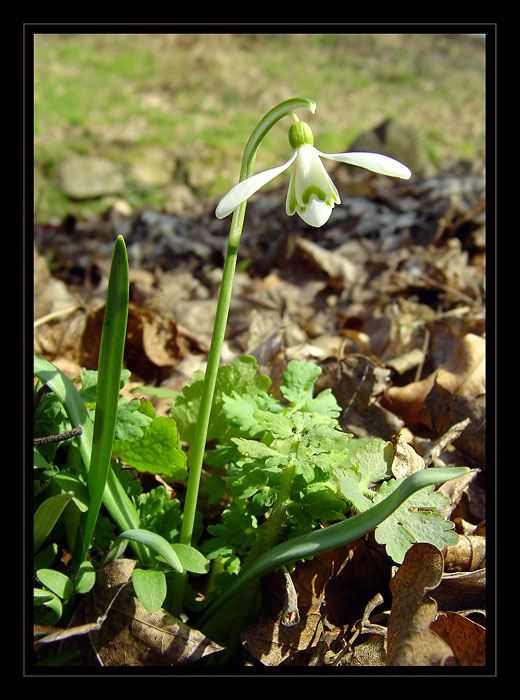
[(334, 535), (109, 372)]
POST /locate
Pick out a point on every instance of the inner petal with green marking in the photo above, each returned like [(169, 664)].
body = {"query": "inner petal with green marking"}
[(313, 190)]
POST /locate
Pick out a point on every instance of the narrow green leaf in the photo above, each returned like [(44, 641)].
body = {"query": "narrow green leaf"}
[(41, 596), (71, 484), (150, 588), (109, 373), (157, 543), (45, 557), (51, 601)]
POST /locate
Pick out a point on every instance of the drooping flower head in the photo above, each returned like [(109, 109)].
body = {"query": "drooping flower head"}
[(311, 194)]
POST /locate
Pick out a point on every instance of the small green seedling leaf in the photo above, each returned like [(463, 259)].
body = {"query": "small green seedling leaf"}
[(89, 380), (348, 481), (276, 423), (298, 389), (240, 410), (298, 382), (150, 588), (56, 582), (191, 559), (47, 516), (49, 600), (85, 577), (256, 450), (240, 376)]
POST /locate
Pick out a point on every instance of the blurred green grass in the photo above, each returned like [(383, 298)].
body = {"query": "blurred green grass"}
[(197, 96)]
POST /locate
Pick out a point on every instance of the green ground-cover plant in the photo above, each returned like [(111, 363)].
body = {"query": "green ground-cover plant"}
[(289, 482), (69, 487)]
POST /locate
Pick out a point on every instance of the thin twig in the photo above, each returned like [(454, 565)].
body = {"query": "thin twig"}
[(58, 438)]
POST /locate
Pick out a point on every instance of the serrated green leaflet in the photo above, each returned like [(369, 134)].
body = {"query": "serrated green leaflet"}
[(407, 524), (238, 378), (157, 451)]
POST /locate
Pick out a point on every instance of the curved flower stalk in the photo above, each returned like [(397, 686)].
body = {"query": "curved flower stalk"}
[(198, 445), (311, 194)]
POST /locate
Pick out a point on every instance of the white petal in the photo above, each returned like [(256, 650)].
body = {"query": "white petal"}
[(316, 214), (372, 161), (244, 189)]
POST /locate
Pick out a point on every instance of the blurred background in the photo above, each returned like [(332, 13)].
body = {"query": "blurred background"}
[(160, 121)]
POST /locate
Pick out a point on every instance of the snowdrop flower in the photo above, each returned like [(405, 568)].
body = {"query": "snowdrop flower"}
[(311, 194)]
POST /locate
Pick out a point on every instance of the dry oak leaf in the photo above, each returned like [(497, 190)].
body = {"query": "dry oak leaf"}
[(442, 409), (131, 636), (463, 374), (466, 638), (410, 641)]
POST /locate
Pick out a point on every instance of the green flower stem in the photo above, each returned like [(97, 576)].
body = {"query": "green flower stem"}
[(332, 536), (201, 430)]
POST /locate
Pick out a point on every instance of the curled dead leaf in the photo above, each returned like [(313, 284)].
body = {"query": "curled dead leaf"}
[(410, 641), (460, 590), (357, 383), (466, 638), (469, 554), (463, 374), (406, 460)]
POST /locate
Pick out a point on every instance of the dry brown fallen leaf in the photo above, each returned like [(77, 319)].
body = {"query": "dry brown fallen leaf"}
[(466, 638), (151, 350), (461, 590), (333, 590), (463, 374), (442, 409), (406, 460), (131, 636), (357, 383), (469, 554), (410, 640)]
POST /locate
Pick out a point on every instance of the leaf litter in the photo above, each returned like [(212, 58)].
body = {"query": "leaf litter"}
[(389, 300)]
